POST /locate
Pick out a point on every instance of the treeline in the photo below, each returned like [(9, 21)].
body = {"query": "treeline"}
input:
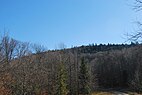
[(119, 68), (94, 48), (27, 69)]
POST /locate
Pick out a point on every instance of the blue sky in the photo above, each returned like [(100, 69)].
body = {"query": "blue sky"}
[(72, 22)]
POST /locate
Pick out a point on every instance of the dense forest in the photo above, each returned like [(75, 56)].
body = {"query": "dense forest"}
[(29, 69)]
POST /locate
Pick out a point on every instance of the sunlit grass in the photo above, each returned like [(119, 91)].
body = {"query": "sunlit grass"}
[(110, 93), (133, 93), (102, 93)]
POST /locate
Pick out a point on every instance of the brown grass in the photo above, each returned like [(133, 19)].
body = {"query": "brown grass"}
[(102, 93)]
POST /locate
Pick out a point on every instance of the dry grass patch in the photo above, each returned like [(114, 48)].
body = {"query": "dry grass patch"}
[(102, 93), (133, 93)]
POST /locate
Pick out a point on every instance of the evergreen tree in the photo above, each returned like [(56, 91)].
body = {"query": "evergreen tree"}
[(61, 84), (84, 78)]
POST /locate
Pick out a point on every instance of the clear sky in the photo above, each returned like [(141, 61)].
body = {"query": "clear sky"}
[(72, 22)]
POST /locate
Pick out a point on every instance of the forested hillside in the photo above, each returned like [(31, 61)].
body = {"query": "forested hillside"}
[(94, 48), (27, 69)]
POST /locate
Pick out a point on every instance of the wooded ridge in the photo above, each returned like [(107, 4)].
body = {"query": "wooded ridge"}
[(31, 70)]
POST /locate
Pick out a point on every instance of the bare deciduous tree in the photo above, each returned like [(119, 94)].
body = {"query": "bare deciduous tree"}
[(137, 36), (138, 5), (8, 48)]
